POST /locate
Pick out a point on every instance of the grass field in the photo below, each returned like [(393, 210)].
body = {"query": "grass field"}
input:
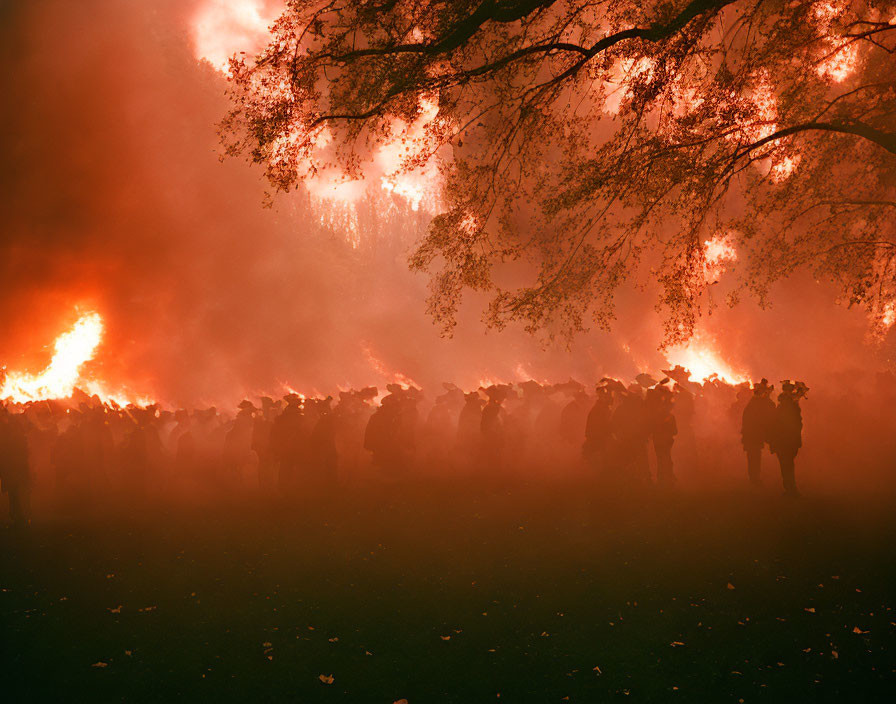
[(430, 594)]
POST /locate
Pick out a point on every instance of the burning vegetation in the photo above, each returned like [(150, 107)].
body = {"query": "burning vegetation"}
[(460, 350)]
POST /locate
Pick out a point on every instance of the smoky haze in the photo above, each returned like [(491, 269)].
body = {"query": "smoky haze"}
[(115, 200)]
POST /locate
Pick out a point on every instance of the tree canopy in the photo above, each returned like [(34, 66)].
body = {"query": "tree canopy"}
[(584, 143)]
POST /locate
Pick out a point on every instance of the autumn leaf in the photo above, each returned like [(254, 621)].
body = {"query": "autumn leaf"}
[(326, 679), (100, 664)]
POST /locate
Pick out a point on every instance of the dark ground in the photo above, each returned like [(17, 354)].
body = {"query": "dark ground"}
[(532, 594)]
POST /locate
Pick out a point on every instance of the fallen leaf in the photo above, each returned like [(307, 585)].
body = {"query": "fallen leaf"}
[(859, 631), (116, 610), (445, 637), (676, 643), (811, 609), (333, 640), (100, 664), (597, 670), (730, 585), (326, 679)]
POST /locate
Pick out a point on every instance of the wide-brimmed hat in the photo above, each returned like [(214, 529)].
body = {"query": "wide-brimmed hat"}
[(762, 386)]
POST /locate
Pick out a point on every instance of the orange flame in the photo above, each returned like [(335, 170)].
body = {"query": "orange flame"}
[(703, 361), (223, 27), (72, 350), (719, 251)]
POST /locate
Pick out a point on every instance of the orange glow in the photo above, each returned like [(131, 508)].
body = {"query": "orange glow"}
[(58, 380), (418, 186), (842, 56), (63, 375), (783, 168), (840, 64), (380, 368), (224, 27), (888, 316), (719, 250), (703, 361)]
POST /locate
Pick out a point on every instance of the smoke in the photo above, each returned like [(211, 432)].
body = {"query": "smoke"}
[(115, 200)]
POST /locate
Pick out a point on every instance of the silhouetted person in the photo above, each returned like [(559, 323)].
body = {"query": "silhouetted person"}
[(380, 435), (406, 427), (351, 416), (97, 447), (287, 443), (15, 474), (756, 427), (574, 418), (469, 429), (631, 431), (440, 429), (787, 438), (492, 429), (323, 456), (663, 429), (68, 461), (142, 450), (237, 452), (261, 443), (184, 441), (599, 430)]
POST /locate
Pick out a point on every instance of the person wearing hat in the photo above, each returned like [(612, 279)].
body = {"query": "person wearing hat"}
[(261, 443), (15, 472), (287, 443), (491, 427), (756, 426), (631, 430), (663, 429), (599, 430), (787, 438), (469, 424)]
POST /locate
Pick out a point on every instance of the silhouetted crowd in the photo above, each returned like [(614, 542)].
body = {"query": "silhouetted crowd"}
[(81, 449)]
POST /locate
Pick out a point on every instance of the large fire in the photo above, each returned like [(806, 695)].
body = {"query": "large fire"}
[(58, 380), (703, 361), (224, 27), (719, 252)]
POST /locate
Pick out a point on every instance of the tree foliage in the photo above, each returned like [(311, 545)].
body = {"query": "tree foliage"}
[(584, 143)]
